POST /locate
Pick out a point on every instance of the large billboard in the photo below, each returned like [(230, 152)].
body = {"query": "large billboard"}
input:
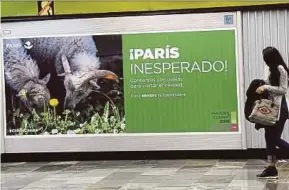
[(143, 83), (163, 82)]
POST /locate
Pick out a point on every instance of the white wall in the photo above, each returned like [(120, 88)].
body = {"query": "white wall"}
[(261, 29)]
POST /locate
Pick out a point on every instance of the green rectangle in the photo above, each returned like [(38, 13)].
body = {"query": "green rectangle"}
[(19, 8), (234, 117), (182, 82)]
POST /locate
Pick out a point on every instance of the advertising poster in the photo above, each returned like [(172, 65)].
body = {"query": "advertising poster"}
[(166, 82)]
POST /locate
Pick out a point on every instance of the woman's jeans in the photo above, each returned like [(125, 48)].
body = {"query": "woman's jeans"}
[(273, 134)]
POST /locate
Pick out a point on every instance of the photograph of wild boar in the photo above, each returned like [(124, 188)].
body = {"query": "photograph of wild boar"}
[(64, 85)]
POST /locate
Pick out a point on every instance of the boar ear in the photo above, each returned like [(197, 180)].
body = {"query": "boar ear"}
[(46, 79), (22, 93)]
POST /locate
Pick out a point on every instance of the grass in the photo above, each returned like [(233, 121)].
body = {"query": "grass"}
[(70, 122)]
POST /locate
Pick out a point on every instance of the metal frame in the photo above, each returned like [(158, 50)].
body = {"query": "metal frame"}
[(2, 101)]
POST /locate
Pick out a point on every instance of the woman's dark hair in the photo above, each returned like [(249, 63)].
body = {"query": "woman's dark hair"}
[(273, 59)]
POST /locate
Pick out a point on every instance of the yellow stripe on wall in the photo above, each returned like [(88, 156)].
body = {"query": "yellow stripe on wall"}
[(29, 8), (62, 7), (18, 8)]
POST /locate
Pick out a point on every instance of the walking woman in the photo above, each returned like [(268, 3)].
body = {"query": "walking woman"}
[(276, 86)]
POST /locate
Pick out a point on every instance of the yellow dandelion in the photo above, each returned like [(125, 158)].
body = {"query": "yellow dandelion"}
[(53, 102)]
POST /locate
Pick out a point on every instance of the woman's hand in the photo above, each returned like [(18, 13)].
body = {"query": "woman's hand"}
[(260, 90)]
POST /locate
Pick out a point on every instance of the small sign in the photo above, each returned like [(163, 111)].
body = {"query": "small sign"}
[(6, 32), (228, 19), (45, 8)]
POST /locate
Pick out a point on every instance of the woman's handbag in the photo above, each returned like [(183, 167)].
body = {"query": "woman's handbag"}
[(265, 112)]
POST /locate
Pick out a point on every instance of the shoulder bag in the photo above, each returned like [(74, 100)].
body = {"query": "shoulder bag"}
[(264, 112)]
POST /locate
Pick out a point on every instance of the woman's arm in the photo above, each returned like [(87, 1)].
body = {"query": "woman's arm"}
[(283, 83)]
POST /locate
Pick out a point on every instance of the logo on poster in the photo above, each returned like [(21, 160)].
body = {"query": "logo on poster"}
[(228, 19), (28, 45)]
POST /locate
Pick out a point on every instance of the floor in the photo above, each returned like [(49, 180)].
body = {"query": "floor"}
[(142, 175)]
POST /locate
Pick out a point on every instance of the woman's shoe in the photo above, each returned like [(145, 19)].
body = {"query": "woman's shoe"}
[(269, 173)]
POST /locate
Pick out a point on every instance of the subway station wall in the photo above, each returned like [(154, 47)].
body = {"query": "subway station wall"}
[(234, 37)]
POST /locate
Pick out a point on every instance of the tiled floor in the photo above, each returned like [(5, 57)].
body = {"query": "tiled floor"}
[(142, 175)]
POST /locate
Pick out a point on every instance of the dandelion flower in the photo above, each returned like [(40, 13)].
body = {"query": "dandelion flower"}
[(54, 131), (53, 102), (67, 112), (70, 132), (97, 131), (46, 133), (76, 131), (115, 131)]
